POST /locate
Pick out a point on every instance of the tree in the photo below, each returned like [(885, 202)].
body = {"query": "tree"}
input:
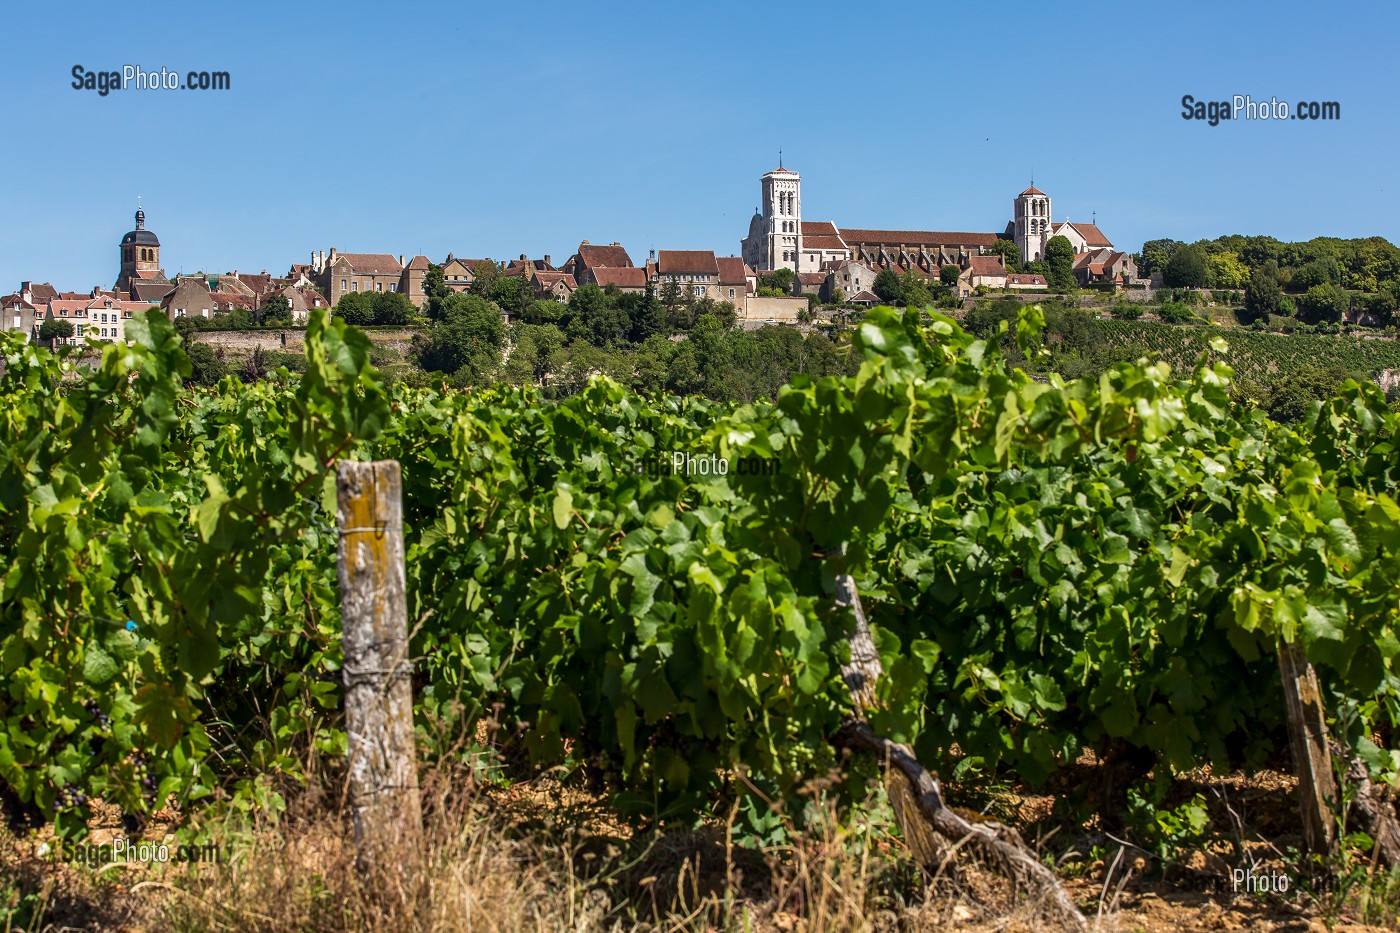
[(1155, 255), (596, 319), (648, 317), (435, 291), (1226, 271), (948, 275), (1323, 303), (888, 287), (1262, 296), (206, 366), (1010, 254), (1188, 268), (511, 293), (356, 308), (1291, 396), (469, 337), (391, 308), (55, 329), (779, 281), (277, 310), (1059, 256), (915, 290)]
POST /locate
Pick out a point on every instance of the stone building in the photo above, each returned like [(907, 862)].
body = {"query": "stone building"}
[(779, 238), (590, 257), (459, 274), (695, 271), (189, 298), (849, 276), (624, 278), (345, 273), (552, 285)]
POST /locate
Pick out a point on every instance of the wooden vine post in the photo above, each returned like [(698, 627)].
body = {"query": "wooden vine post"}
[(384, 798), (1312, 759)]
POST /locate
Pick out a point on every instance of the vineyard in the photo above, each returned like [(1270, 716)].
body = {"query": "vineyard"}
[(1102, 571), (1254, 356)]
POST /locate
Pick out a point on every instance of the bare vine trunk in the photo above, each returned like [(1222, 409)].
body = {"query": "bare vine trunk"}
[(929, 825)]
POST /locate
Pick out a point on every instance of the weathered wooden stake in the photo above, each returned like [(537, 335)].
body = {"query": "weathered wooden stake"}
[(378, 687), (1307, 732)]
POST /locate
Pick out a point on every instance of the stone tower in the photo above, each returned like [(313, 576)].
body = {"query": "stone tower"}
[(1032, 213), (775, 233), (140, 256)]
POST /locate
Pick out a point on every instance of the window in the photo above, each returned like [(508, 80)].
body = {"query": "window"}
[(379, 286), (63, 312), (80, 330), (126, 314), (354, 286), (393, 286), (731, 293), (699, 291), (342, 285)]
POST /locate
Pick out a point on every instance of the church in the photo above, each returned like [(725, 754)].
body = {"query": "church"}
[(779, 238)]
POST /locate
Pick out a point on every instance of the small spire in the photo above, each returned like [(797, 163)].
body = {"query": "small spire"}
[(780, 158)]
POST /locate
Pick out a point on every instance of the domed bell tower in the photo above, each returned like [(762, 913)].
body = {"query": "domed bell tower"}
[(140, 256)]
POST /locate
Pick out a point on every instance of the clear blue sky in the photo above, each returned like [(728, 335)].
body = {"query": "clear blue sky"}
[(499, 129)]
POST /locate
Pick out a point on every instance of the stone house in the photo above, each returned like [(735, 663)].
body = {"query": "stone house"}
[(590, 257), (189, 298), (552, 286)]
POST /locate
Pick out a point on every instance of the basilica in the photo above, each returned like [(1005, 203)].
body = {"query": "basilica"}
[(779, 238)]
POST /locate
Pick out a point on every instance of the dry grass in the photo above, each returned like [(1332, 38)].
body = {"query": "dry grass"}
[(539, 857), (543, 856)]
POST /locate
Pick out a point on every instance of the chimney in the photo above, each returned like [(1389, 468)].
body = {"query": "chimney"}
[(26, 294), (616, 243), (546, 260), (322, 266), (522, 257), (400, 258)]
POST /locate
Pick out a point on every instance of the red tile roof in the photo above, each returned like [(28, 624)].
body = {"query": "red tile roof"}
[(987, 266), (811, 278), (612, 257), (731, 270), (260, 283), (819, 228), (822, 242), (1023, 278), (686, 262), (916, 238), (1032, 190), (42, 291), (371, 263), (1092, 235), (419, 262), (548, 279), (621, 276)]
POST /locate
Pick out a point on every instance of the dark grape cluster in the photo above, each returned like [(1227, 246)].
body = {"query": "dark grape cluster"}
[(137, 761), (70, 797), (104, 722)]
